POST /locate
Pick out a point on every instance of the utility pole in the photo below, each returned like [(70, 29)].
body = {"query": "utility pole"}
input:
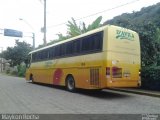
[(44, 39), (33, 37)]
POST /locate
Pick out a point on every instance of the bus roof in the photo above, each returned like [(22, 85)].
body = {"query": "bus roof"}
[(79, 36)]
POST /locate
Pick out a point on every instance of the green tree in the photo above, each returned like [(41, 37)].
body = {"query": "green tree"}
[(95, 24), (74, 29), (157, 46), (61, 37), (21, 69), (18, 53)]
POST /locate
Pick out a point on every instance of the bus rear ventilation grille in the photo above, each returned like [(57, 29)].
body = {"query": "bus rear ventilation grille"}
[(94, 76)]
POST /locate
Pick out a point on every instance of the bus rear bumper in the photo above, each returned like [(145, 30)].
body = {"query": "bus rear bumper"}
[(124, 83)]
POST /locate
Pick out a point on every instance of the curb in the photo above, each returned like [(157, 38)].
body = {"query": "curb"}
[(137, 91)]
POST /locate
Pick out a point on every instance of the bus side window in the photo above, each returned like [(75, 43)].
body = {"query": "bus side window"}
[(50, 53), (69, 48), (98, 39), (92, 43), (62, 50), (76, 47)]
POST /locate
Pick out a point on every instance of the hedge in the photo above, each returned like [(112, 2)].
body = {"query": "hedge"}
[(151, 78)]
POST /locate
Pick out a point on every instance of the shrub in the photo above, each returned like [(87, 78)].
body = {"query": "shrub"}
[(14, 71), (151, 77), (8, 71), (21, 69)]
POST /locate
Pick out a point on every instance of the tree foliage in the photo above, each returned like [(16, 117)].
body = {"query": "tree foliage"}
[(18, 53), (74, 29), (95, 24)]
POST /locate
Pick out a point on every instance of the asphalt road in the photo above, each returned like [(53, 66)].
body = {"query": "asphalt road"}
[(19, 96)]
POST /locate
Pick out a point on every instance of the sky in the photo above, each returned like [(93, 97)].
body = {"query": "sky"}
[(27, 16)]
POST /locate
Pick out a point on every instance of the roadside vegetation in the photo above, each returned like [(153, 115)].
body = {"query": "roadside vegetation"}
[(145, 22), (18, 58)]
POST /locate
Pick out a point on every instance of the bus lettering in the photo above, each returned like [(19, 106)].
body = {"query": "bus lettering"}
[(124, 35)]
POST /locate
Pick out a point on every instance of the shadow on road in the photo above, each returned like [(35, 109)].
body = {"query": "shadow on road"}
[(104, 94)]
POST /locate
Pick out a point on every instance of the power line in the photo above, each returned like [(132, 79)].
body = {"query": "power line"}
[(108, 9), (95, 13)]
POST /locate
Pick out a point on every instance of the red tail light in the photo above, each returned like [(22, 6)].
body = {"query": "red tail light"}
[(139, 72)]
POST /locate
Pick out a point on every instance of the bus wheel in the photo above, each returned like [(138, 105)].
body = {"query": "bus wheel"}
[(31, 78), (70, 84)]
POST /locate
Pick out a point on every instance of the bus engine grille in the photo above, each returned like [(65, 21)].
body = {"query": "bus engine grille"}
[(94, 76)]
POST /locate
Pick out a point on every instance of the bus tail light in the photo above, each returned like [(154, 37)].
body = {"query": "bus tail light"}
[(139, 72)]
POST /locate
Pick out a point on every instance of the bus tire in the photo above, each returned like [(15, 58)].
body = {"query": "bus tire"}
[(31, 78), (70, 83)]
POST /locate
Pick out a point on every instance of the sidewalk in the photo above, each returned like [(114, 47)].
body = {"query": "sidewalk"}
[(138, 91)]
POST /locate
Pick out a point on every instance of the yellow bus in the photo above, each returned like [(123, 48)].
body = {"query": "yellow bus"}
[(102, 58)]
